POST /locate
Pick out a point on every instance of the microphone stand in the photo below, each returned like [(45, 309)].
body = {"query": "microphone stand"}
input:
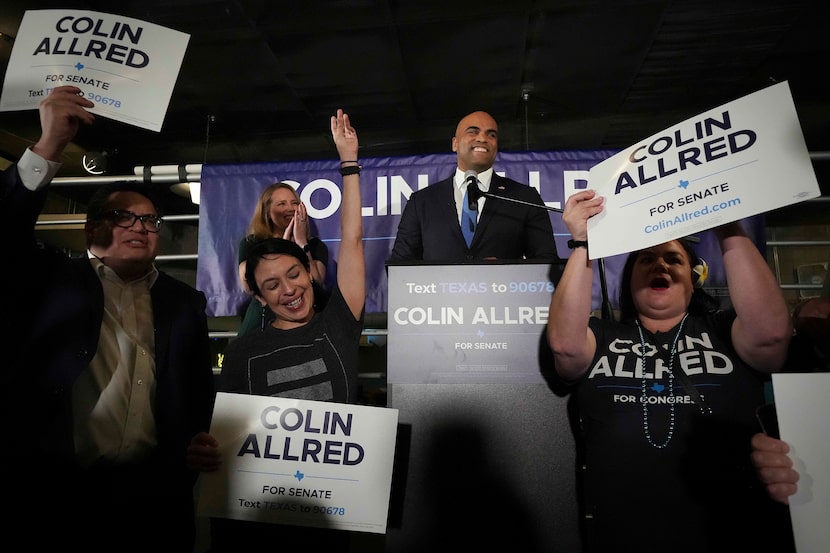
[(474, 193)]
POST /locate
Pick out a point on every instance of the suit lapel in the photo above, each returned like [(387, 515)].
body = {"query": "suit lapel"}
[(491, 206), (161, 324)]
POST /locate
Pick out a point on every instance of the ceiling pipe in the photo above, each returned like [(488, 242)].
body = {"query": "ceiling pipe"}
[(168, 169)]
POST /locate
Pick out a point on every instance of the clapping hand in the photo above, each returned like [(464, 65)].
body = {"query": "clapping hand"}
[(297, 230)]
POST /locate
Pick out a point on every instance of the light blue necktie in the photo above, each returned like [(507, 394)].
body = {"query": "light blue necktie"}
[(468, 220)]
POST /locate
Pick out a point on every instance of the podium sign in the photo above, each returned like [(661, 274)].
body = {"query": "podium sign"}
[(469, 371), (467, 323)]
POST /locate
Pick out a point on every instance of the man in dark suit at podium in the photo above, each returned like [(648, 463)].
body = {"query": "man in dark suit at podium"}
[(433, 222)]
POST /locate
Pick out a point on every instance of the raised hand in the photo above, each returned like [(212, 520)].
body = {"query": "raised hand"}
[(344, 135), (580, 207), (61, 114)]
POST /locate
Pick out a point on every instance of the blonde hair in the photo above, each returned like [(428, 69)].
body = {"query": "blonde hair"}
[(262, 226)]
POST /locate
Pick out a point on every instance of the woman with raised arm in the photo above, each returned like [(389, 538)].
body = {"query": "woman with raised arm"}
[(270, 363), (666, 396)]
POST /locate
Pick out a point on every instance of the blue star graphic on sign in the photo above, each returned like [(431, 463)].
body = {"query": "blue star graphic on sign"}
[(299, 475), (683, 184)]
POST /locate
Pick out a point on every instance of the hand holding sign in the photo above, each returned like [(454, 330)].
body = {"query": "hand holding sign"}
[(61, 113)]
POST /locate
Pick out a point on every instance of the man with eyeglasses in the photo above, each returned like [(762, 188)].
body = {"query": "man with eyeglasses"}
[(106, 375)]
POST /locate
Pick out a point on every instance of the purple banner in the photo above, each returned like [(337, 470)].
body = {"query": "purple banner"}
[(229, 194)]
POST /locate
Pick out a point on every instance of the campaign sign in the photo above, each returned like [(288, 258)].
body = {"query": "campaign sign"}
[(478, 324), (125, 66), (743, 158), (803, 412), (301, 462)]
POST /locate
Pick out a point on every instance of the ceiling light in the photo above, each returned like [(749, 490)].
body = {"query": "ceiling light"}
[(95, 163)]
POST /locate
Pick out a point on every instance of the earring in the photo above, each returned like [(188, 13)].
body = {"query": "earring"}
[(702, 271), (262, 317)]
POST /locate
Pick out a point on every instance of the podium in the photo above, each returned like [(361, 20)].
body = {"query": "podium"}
[(487, 459)]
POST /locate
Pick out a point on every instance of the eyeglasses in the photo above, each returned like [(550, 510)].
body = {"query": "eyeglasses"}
[(126, 219)]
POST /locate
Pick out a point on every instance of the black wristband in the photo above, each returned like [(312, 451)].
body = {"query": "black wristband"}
[(350, 170), (307, 248), (577, 244)]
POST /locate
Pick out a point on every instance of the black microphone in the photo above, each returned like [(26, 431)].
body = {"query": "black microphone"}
[(473, 191)]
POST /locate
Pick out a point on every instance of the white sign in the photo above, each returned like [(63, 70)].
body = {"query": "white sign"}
[(127, 67), (803, 412), (300, 462), (741, 159)]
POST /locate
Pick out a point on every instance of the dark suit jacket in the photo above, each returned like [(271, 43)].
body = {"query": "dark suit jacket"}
[(429, 229), (53, 316)]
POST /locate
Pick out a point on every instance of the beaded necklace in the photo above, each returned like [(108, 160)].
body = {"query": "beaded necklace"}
[(644, 397)]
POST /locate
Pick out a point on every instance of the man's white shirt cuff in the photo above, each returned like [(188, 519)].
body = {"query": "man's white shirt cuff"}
[(36, 172)]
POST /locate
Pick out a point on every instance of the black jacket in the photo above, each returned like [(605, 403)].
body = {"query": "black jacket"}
[(429, 229)]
